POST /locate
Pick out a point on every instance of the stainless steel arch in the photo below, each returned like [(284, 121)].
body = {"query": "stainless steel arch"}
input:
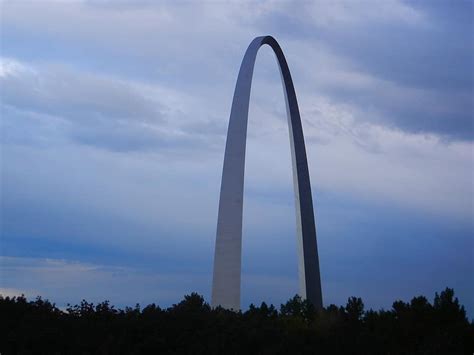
[(228, 250)]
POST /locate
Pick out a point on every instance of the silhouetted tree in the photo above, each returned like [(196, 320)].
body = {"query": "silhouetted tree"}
[(193, 327), (354, 308)]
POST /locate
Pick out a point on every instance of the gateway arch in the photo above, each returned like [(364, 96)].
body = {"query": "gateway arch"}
[(228, 249)]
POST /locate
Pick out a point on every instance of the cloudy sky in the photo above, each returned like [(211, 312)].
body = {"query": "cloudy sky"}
[(113, 124)]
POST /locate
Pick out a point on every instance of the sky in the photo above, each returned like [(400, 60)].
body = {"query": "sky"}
[(113, 125)]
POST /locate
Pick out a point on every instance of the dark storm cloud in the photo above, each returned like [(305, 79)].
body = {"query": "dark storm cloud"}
[(92, 109), (422, 46)]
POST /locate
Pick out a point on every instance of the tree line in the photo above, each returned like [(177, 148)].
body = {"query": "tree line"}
[(193, 327)]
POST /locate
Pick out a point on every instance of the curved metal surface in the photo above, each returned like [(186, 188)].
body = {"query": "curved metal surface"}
[(228, 250)]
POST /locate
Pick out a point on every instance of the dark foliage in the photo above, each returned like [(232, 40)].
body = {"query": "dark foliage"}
[(193, 327)]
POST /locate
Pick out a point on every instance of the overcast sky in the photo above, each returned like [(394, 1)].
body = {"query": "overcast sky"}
[(114, 116)]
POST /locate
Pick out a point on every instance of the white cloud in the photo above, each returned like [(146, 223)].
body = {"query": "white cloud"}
[(178, 173), (65, 281), (12, 67), (353, 13), (13, 292), (102, 110)]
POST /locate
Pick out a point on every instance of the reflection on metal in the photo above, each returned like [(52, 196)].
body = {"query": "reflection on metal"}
[(227, 257)]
